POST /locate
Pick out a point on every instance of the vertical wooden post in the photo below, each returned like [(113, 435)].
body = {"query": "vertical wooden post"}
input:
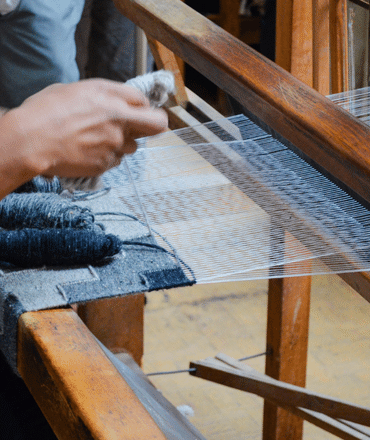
[(287, 341), (118, 323), (307, 46), (302, 41), (284, 20), (289, 298), (339, 46), (229, 15), (288, 311), (321, 46)]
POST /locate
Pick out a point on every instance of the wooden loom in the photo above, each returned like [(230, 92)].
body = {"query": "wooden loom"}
[(56, 349)]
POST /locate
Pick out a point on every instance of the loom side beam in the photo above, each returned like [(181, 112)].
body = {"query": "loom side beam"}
[(343, 429), (227, 371), (326, 133), (80, 392)]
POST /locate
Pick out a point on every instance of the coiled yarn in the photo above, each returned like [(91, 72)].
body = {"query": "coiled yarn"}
[(41, 210), (31, 248)]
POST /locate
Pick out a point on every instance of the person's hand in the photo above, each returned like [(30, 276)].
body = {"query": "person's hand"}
[(82, 129)]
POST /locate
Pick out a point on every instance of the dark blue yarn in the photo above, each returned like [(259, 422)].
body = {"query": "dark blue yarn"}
[(30, 248), (40, 210), (44, 229), (40, 184)]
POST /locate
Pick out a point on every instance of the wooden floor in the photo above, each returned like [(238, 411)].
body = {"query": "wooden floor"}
[(190, 324)]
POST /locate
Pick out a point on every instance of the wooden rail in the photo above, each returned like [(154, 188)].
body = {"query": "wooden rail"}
[(80, 392)]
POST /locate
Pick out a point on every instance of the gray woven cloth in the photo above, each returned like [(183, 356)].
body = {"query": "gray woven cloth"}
[(135, 269)]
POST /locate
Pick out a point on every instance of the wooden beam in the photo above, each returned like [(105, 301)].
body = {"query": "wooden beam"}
[(342, 429), (282, 393), (80, 392)]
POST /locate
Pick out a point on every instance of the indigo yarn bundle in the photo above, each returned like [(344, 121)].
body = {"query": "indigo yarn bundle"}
[(40, 210), (56, 247), (42, 228)]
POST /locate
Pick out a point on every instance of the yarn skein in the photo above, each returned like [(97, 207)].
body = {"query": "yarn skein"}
[(31, 248), (42, 210)]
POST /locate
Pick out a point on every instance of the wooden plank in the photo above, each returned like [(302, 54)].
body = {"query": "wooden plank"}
[(80, 392), (268, 388), (118, 323)]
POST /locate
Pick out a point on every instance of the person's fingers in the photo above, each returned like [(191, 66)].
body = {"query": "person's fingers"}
[(130, 146), (121, 91), (143, 122)]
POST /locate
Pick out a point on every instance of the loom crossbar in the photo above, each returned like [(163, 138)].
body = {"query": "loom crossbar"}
[(226, 371)]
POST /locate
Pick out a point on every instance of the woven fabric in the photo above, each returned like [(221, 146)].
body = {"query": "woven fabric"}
[(140, 266)]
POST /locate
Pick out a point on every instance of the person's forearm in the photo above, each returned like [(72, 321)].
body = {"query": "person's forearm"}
[(15, 168)]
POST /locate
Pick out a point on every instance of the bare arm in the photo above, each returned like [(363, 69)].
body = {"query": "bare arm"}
[(14, 168), (74, 130)]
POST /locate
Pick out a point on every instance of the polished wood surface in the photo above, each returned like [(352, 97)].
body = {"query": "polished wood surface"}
[(80, 392)]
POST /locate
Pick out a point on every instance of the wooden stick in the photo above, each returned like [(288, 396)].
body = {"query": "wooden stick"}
[(271, 389), (341, 428)]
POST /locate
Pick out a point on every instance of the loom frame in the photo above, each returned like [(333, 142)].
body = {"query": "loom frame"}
[(340, 148)]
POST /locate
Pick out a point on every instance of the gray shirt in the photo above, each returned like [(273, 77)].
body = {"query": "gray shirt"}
[(37, 46)]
